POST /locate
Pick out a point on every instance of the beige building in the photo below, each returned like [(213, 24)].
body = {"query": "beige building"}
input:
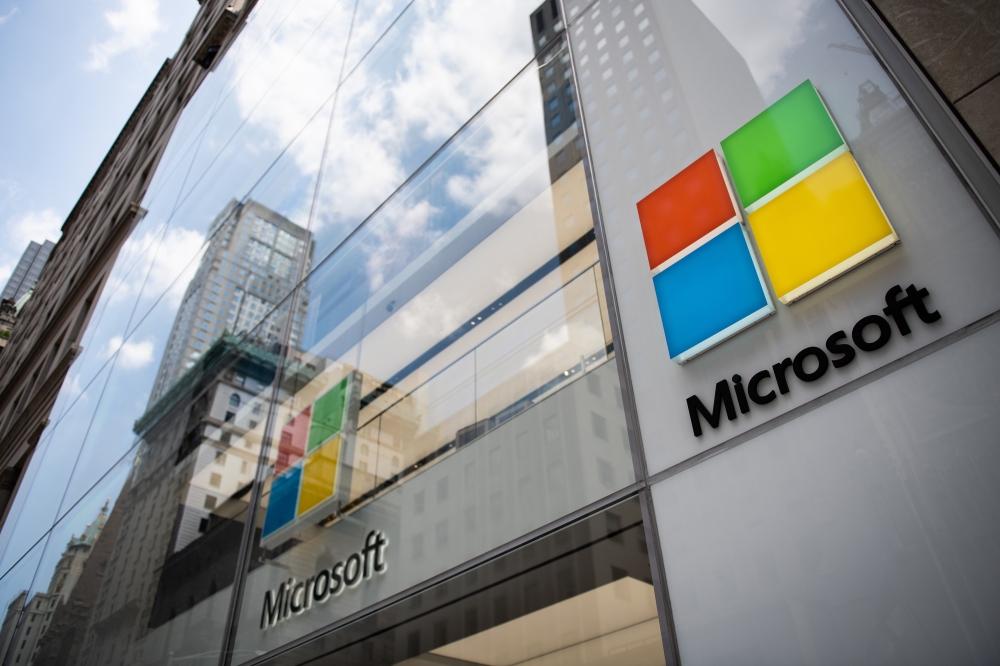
[(25, 639)]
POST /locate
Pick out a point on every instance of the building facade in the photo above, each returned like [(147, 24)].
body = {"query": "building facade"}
[(573, 332), (51, 326), (21, 645), (255, 257)]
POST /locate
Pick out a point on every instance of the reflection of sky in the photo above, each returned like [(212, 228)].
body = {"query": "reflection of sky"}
[(413, 92), (256, 129), (469, 173), (786, 42)]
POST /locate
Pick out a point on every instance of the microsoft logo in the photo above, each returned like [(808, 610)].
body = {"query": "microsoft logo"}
[(307, 470), (810, 209)]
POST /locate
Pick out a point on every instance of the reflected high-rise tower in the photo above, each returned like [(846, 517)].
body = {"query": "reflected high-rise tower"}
[(660, 85), (201, 432), (254, 258), (28, 270)]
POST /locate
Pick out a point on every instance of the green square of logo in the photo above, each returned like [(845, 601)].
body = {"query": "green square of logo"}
[(781, 142), (328, 415)]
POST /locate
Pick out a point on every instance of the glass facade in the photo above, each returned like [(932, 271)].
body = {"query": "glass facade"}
[(612, 332)]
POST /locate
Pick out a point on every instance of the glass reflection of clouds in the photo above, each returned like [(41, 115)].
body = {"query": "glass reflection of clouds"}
[(469, 295)]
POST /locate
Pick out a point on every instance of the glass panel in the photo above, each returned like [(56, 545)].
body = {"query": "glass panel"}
[(552, 343), (65, 586), (274, 92), (440, 396), (672, 93), (130, 275), (238, 153), (371, 20), (581, 595), (175, 510), (127, 394), (863, 531), (8, 556), (409, 95), (174, 168)]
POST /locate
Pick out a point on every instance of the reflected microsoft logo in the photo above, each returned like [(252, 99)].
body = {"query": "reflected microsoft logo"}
[(307, 472), (809, 207)]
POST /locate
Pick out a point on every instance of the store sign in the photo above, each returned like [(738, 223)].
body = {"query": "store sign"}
[(809, 208), (812, 216), (869, 334), (309, 480), (294, 597)]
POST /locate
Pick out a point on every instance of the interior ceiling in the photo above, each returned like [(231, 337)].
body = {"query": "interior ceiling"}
[(612, 624)]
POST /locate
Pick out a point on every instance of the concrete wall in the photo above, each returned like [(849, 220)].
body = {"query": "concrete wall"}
[(958, 44)]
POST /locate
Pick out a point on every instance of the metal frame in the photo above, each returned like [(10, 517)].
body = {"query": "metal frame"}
[(664, 613)]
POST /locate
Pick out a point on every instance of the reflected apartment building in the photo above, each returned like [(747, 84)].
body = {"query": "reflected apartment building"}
[(41, 634)]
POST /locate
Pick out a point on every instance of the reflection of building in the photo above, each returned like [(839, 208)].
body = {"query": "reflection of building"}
[(51, 325), (8, 317), (874, 106), (28, 269), (253, 259), (183, 512), (640, 84), (556, 77), (27, 637), (889, 144), (182, 516)]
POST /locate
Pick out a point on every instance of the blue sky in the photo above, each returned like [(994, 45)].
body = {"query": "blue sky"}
[(70, 75)]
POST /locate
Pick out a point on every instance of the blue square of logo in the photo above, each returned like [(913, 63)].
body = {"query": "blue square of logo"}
[(284, 498), (710, 294)]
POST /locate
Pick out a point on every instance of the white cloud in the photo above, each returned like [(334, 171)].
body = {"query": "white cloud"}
[(9, 15), (552, 340), (394, 236), (18, 230), (438, 85), (177, 254), (73, 387), (419, 95), (765, 33), (428, 316), (424, 91), (132, 26), (132, 354)]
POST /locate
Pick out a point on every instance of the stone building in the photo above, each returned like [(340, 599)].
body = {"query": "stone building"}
[(40, 351)]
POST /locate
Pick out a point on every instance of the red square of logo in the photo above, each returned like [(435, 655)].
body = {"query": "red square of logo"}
[(685, 208), (292, 445)]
